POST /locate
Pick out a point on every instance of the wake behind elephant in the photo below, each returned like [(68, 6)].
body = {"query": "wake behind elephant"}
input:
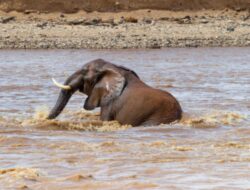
[(120, 94)]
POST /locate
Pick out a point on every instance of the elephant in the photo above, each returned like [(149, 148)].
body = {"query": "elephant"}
[(120, 94)]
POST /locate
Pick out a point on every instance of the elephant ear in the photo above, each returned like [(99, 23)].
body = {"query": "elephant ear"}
[(129, 70), (109, 85), (114, 83)]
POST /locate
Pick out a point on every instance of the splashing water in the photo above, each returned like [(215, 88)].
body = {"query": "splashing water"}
[(41, 113), (215, 119), (81, 120)]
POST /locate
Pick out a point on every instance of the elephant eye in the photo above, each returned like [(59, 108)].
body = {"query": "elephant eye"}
[(84, 70)]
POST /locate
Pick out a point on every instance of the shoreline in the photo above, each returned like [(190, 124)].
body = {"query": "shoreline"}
[(135, 29)]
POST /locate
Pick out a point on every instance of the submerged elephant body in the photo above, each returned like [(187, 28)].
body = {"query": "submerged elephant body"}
[(140, 104), (120, 94)]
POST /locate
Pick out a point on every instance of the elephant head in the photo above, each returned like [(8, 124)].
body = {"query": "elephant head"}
[(101, 81)]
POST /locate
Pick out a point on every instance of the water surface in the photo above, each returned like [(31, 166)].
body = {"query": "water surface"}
[(208, 149)]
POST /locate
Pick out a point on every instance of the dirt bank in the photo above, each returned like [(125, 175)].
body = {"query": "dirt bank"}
[(134, 29), (119, 5)]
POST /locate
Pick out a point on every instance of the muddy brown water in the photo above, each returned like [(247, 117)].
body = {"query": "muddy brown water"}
[(208, 149)]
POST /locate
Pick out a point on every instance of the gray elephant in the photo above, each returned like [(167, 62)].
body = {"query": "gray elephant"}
[(120, 94)]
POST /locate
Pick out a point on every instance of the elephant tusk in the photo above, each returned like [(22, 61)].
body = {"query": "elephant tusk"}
[(65, 87)]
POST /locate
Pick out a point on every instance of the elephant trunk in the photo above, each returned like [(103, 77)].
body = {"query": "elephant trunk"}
[(61, 102), (72, 84)]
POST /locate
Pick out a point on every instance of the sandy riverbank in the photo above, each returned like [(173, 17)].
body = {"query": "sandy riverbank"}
[(134, 29)]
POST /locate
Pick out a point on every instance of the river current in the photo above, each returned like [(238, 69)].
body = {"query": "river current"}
[(208, 149)]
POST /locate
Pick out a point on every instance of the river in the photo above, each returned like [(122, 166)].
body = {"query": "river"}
[(208, 149)]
